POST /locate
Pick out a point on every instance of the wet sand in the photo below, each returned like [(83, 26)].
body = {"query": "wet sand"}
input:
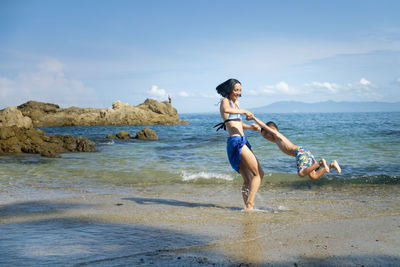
[(187, 224)]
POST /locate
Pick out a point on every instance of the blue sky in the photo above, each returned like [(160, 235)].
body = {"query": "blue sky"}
[(91, 53)]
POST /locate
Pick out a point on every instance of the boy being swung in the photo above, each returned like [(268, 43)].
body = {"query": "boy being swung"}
[(306, 164)]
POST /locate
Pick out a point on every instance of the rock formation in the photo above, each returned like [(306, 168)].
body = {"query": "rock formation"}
[(148, 113), (123, 135), (146, 134), (17, 135)]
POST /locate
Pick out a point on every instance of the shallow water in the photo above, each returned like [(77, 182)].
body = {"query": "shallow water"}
[(179, 194), (195, 153)]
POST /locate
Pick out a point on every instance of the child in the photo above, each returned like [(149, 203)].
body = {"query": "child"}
[(306, 164)]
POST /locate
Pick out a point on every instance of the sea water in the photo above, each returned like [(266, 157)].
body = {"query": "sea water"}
[(132, 199), (366, 145)]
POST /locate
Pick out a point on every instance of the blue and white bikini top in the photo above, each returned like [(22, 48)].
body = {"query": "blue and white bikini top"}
[(231, 117)]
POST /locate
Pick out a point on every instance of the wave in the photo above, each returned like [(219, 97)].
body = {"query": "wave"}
[(285, 179), (189, 176), (107, 142)]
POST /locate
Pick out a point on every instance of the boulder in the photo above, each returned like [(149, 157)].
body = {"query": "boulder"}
[(12, 116), (146, 134), (110, 136), (84, 145), (17, 135), (123, 135)]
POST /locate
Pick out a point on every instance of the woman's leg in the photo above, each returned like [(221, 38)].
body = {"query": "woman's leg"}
[(247, 175), (249, 163)]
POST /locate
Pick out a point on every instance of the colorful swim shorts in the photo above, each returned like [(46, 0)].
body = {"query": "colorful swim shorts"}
[(234, 146), (304, 158)]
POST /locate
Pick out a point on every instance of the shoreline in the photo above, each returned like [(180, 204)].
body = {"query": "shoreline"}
[(188, 224)]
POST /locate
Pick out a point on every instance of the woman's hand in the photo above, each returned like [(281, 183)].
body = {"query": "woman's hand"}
[(249, 116)]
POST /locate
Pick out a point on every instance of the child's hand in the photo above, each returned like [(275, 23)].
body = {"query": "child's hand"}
[(255, 127)]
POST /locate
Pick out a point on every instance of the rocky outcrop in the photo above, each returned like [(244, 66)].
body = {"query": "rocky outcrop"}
[(12, 116), (123, 135), (146, 134), (110, 136), (148, 113), (17, 135)]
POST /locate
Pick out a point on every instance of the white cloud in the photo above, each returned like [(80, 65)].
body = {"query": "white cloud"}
[(158, 93), (365, 82), (183, 94), (363, 88), (281, 88), (398, 80), (253, 92), (48, 83), (316, 91), (323, 87), (213, 95), (201, 95)]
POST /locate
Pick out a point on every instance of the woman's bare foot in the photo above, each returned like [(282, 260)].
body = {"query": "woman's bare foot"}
[(335, 165), (322, 162), (249, 206)]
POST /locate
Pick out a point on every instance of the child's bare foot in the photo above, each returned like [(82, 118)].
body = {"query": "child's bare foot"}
[(335, 165), (322, 162)]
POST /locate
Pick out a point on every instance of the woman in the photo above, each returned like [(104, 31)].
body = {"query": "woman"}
[(239, 151)]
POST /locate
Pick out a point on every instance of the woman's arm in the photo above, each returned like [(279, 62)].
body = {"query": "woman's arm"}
[(247, 127), (226, 108)]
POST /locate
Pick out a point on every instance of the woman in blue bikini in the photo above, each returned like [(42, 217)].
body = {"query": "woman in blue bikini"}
[(241, 158)]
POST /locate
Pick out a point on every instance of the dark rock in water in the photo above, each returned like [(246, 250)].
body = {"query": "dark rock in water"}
[(84, 145), (146, 134), (18, 136), (49, 154), (123, 135), (110, 136)]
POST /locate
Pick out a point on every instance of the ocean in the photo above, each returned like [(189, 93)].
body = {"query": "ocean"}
[(186, 167), (366, 145)]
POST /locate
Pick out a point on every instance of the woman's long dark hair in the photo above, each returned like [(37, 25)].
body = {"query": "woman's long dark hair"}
[(226, 87)]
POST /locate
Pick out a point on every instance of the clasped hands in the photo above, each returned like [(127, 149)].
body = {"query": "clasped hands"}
[(249, 116)]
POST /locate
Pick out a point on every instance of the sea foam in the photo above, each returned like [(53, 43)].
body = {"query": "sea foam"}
[(188, 176)]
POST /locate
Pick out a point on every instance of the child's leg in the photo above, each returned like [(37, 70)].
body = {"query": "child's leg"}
[(335, 165), (314, 175), (306, 171)]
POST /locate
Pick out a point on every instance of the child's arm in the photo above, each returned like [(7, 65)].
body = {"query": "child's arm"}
[(265, 127)]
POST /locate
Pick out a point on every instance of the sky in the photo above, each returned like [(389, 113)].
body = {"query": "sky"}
[(90, 53)]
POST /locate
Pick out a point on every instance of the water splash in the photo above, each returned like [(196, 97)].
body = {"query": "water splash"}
[(188, 176)]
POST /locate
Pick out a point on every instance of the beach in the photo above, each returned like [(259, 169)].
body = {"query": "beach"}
[(177, 202), (184, 225)]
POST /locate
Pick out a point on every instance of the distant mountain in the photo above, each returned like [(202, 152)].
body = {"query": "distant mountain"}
[(328, 106)]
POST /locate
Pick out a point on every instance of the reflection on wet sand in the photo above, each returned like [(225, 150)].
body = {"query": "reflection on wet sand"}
[(187, 225)]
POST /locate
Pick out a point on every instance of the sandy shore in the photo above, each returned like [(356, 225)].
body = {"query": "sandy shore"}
[(186, 225)]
